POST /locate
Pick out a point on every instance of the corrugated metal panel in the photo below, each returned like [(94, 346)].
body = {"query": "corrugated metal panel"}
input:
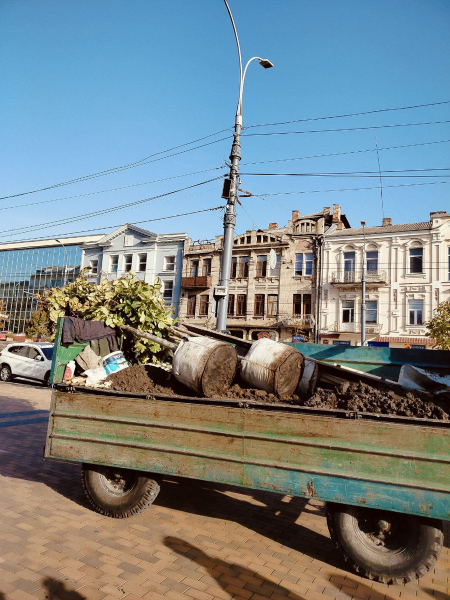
[(381, 464)]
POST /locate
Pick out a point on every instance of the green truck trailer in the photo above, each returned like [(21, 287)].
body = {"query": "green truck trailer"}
[(385, 479)]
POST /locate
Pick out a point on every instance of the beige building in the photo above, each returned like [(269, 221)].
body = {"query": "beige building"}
[(274, 288), (407, 273)]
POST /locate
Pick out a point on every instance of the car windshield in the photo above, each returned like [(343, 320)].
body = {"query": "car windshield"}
[(48, 353)]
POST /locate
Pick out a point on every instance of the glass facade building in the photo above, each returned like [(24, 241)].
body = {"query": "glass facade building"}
[(27, 271)]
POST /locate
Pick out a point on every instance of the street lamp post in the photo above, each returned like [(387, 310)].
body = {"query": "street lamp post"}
[(229, 220), (363, 289)]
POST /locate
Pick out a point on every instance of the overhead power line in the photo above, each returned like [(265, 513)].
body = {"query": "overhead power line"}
[(363, 174), (194, 212), (263, 162), (343, 129), (143, 161), (356, 114), (350, 189), (48, 225)]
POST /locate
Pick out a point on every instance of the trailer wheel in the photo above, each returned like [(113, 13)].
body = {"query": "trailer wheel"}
[(385, 546), (118, 493)]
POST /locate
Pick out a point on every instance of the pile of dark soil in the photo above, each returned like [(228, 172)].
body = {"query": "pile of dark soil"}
[(358, 397)]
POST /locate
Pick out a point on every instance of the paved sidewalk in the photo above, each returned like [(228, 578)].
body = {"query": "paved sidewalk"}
[(198, 541)]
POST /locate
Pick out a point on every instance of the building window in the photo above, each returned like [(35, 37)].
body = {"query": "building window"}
[(241, 305), (94, 266), (416, 312), (371, 311), (249, 239), (243, 266), (233, 268), (204, 305), (127, 262), (230, 310), (349, 268), (348, 311), (298, 264), (259, 305), (167, 290), (275, 272), (169, 263), (308, 263), (302, 304), (114, 263), (258, 239), (416, 260), (206, 267), (372, 260), (194, 268), (142, 262), (272, 305), (191, 305), (304, 264), (261, 265)]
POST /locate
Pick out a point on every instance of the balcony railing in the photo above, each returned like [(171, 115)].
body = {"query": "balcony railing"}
[(203, 282), (355, 276), (297, 320), (336, 327)]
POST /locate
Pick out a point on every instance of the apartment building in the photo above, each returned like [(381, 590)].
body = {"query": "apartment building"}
[(274, 278), (149, 255), (407, 275)]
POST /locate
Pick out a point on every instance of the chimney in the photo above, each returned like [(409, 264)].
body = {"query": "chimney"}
[(387, 221), (336, 213), (295, 215), (273, 225), (340, 226), (326, 210)]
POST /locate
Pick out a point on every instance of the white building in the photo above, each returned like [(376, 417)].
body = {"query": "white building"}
[(149, 255), (407, 273)]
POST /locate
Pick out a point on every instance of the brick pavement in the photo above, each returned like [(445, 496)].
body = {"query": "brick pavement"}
[(199, 541)]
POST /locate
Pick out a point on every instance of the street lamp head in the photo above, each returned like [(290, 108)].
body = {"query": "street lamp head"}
[(265, 62), (363, 223)]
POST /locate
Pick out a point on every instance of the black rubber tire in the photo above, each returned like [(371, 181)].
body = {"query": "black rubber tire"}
[(5, 373), (46, 379), (408, 551), (116, 492)]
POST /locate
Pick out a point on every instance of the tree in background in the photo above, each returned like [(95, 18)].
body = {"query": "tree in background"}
[(3, 315), (38, 324), (123, 301), (439, 326)]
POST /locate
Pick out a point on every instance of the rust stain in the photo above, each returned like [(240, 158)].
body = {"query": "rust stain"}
[(310, 489), (423, 509), (361, 500)]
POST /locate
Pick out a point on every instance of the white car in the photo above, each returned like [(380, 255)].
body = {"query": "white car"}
[(31, 361)]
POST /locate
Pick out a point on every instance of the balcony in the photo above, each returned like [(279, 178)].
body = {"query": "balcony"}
[(199, 283), (352, 277), (297, 320), (336, 327)]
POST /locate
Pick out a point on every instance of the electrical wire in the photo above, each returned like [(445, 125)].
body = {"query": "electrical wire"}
[(343, 129), (110, 190), (357, 114), (194, 212), (100, 212), (262, 162), (350, 189), (143, 161), (360, 174)]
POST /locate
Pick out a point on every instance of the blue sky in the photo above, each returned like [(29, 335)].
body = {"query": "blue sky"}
[(90, 85)]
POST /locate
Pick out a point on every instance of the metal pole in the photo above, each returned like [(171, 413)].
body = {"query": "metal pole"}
[(363, 290), (229, 219)]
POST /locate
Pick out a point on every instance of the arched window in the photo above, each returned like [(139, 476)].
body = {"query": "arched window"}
[(416, 258)]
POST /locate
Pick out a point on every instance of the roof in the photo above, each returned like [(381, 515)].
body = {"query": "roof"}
[(381, 229)]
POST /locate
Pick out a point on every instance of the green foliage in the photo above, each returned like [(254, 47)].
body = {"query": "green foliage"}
[(3, 320), (124, 301), (39, 324), (439, 326)]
